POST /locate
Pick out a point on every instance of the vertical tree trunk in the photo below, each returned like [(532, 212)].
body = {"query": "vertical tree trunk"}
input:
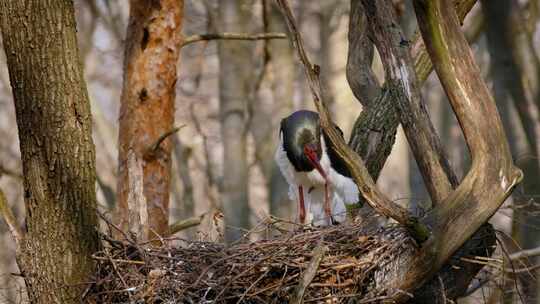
[(502, 25), (234, 85), (284, 72), (146, 115), (53, 117), (327, 11)]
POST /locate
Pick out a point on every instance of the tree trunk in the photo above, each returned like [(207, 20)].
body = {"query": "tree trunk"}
[(147, 115), (283, 71), (501, 28), (57, 151), (234, 85)]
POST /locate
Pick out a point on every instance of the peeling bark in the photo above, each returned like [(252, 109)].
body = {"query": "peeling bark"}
[(146, 113), (57, 151)]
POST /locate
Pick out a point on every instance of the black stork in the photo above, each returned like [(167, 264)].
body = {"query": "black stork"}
[(318, 178)]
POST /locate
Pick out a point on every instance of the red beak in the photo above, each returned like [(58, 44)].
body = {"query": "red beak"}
[(311, 154)]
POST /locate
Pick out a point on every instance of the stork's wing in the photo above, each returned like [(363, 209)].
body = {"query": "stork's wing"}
[(337, 162)]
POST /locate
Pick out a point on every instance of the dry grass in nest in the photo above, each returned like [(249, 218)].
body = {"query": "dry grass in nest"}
[(266, 271)]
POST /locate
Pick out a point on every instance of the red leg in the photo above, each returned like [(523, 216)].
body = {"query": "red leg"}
[(302, 209), (327, 209)]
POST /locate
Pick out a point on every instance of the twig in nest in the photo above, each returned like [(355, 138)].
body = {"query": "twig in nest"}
[(111, 224), (119, 275), (232, 36), (109, 259), (310, 273), (251, 286)]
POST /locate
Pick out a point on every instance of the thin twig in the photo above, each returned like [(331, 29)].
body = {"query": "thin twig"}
[(232, 36), (9, 172), (524, 254), (251, 286), (309, 274), (119, 275), (153, 147), (10, 220), (95, 257)]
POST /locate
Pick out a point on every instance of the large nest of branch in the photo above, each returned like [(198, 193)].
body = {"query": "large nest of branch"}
[(266, 271)]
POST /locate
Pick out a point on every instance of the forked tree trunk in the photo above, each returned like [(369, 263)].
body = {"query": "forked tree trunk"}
[(147, 115), (57, 151), (492, 176)]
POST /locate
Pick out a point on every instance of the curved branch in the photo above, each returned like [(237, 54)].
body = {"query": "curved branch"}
[(492, 176), (359, 74), (375, 128)]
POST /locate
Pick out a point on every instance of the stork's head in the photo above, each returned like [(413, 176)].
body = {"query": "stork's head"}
[(301, 137)]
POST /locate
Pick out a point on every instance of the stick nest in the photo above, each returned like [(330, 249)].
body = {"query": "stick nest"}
[(265, 271)]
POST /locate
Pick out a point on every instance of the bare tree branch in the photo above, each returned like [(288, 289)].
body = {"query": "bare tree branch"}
[(401, 82), (525, 254), (422, 62), (232, 36), (360, 76), (375, 128), (10, 220), (492, 176)]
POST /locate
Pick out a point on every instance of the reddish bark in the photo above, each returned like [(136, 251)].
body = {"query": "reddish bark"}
[(146, 113)]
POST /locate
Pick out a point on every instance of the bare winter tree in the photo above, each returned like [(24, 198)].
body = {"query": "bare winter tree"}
[(53, 118), (147, 116)]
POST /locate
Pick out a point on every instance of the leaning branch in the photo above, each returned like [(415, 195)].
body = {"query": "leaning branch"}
[(401, 80), (525, 254), (232, 36), (358, 169), (422, 62)]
